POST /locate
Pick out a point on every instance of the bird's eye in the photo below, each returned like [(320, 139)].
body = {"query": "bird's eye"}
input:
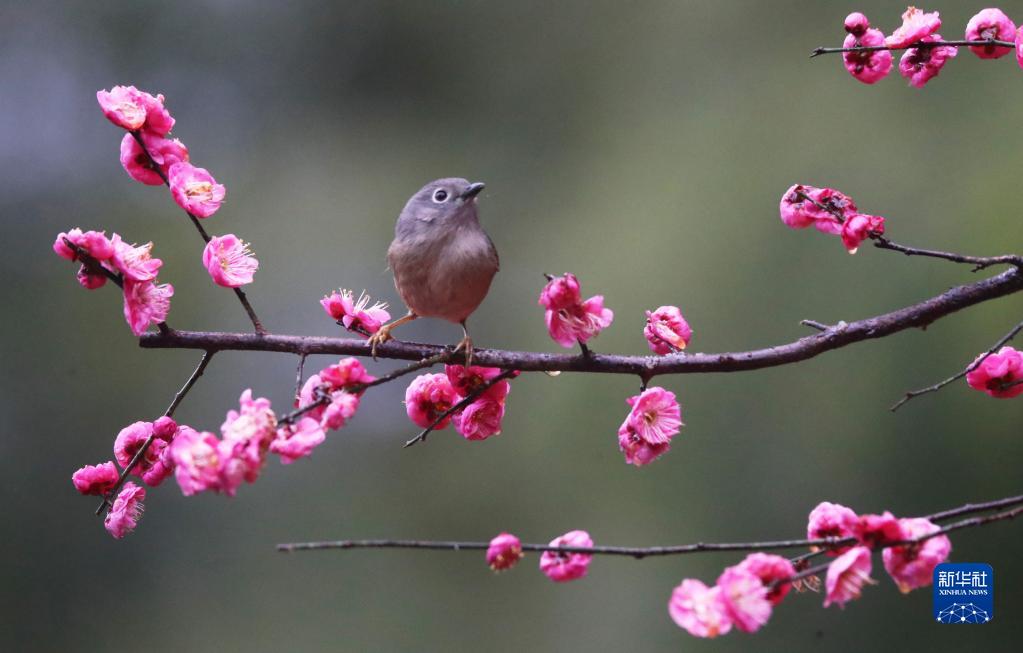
[(440, 195)]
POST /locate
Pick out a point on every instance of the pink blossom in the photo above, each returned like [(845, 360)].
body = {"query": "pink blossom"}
[(145, 303), (912, 565), (195, 190), (90, 280), (480, 419), (655, 415), (196, 458), (355, 315), (345, 375), (95, 244), (229, 261), (745, 598), (996, 372), (920, 64), (1019, 46), (770, 569), (504, 552), (874, 530), (860, 227), (135, 262), (308, 395), (568, 319), (638, 451), (847, 575), (165, 428), (916, 24), (867, 66), (299, 440), (699, 609), (467, 380), (831, 520), (427, 397), (128, 442), (162, 154), (990, 24), (130, 108), (666, 330), (341, 408), (95, 479), (856, 23), (829, 209), (562, 567), (126, 511), (793, 206), (253, 427)]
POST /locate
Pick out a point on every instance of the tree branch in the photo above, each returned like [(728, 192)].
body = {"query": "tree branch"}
[(646, 367), (930, 44)]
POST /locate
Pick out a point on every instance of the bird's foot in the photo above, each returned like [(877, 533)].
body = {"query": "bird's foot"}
[(379, 338), (466, 345)]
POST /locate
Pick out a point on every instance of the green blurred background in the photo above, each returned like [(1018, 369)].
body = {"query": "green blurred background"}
[(643, 146)]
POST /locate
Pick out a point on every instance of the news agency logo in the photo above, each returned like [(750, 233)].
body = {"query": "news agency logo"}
[(964, 593)]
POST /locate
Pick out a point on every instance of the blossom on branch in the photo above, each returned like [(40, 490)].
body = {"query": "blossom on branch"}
[(132, 109), (195, 190), (145, 303), (990, 24), (999, 374), (770, 569), (569, 319), (653, 420), (355, 315), (868, 66), (912, 565), (427, 398), (916, 25), (298, 440), (666, 330), (745, 598), (135, 262), (150, 467), (920, 64), (847, 575), (504, 552), (699, 609), (145, 165), (831, 520), (859, 228), (562, 567), (124, 515), (94, 243), (229, 261), (96, 479), (874, 530)]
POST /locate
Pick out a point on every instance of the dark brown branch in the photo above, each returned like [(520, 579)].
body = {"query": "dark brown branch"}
[(260, 329), (834, 337), (699, 547), (178, 397), (468, 399), (955, 377), (979, 262), (918, 44)]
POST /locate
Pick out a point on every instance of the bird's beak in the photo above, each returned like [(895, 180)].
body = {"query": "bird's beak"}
[(473, 190)]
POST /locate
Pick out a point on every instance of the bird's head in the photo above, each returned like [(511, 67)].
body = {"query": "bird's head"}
[(441, 203)]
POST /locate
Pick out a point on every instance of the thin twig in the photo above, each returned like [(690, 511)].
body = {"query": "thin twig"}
[(918, 44), (239, 293), (299, 374), (178, 397), (979, 262), (955, 377), (321, 398), (430, 361), (471, 397)]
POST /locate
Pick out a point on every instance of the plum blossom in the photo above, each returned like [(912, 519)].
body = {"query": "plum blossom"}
[(996, 373), (342, 407), (299, 440), (991, 24), (162, 154), (246, 437), (922, 63), (126, 511), (666, 330), (135, 262), (912, 565), (770, 568), (916, 24), (196, 459), (90, 279), (859, 228), (847, 575), (132, 109), (480, 419), (653, 420), (699, 609), (229, 261), (569, 319), (875, 530), (504, 552), (427, 398), (867, 66), (195, 190), (823, 208), (856, 23), (94, 243), (355, 314), (562, 567), (96, 479), (831, 520), (745, 598), (145, 303), (150, 467), (467, 380), (638, 451)]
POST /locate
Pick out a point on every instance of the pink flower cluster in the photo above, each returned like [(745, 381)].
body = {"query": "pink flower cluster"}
[(329, 398), (505, 551), (653, 420), (355, 314), (745, 594), (831, 212), (431, 395), (999, 375), (922, 61), (146, 301), (571, 320), (148, 156)]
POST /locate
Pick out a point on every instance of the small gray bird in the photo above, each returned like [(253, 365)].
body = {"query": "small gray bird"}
[(443, 261)]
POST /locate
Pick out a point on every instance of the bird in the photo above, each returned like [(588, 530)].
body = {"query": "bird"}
[(442, 259)]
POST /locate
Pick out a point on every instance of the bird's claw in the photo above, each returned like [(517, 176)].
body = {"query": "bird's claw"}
[(379, 338), (465, 344)]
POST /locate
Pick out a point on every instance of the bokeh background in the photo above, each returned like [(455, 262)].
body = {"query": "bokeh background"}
[(644, 147)]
